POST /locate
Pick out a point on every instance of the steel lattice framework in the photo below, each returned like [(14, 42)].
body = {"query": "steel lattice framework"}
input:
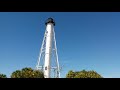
[(48, 57)]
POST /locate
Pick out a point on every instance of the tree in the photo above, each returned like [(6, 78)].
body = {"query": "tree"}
[(83, 74), (3, 76), (27, 73), (16, 74), (38, 74), (71, 74)]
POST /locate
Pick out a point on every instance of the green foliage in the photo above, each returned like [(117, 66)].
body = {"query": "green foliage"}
[(83, 74), (16, 74), (70, 74), (27, 73), (38, 74), (3, 76)]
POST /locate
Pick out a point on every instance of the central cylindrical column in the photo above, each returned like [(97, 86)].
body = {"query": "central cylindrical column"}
[(48, 47)]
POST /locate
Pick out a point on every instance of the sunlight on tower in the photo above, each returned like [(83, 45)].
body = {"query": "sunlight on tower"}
[(48, 57)]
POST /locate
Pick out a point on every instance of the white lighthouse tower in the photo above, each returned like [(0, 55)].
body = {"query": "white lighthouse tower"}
[(48, 57)]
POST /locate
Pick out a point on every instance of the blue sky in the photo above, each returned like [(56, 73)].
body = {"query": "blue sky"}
[(85, 40)]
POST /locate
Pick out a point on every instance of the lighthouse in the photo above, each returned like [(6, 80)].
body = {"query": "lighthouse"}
[(48, 48)]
